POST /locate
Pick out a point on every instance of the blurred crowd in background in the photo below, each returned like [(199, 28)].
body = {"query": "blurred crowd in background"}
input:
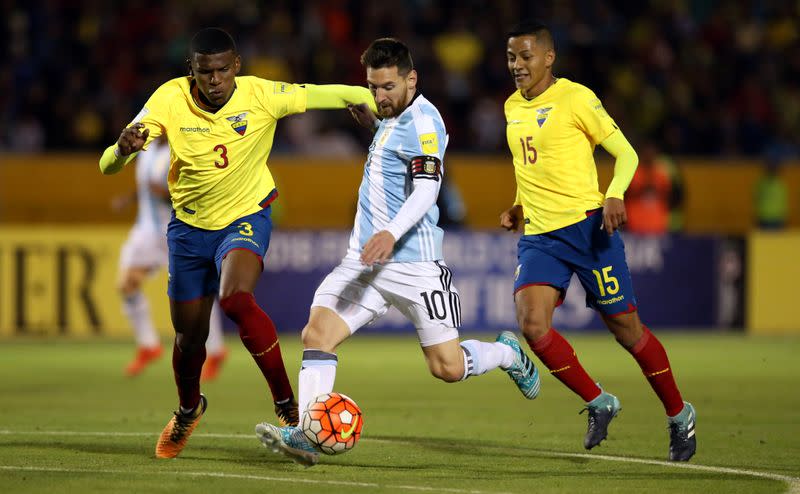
[(699, 77)]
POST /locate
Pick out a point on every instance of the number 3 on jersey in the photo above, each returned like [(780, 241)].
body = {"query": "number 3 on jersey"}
[(223, 153)]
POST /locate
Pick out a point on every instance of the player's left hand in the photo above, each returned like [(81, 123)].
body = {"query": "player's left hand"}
[(614, 215), (378, 249), (364, 116)]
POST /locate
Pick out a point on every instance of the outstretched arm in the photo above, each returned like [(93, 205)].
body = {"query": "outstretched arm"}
[(614, 214), (120, 154), (335, 96)]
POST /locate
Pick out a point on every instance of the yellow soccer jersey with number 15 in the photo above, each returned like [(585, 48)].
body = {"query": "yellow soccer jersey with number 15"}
[(552, 139), (218, 171)]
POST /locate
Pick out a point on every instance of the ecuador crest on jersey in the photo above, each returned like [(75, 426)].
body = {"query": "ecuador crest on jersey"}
[(238, 123), (541, 115)]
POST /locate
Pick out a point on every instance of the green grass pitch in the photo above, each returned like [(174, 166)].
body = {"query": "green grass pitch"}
[(70, 422)]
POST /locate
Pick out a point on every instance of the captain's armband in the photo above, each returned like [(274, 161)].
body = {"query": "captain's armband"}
[(427, 167)]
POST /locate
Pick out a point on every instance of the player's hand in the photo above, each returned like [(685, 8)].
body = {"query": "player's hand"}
[(378, 249), (511, 219), (364, 116), (132, 139), (614, 215)]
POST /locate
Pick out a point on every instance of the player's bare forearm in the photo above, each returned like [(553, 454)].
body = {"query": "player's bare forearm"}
[(614, 215), (378, 248)]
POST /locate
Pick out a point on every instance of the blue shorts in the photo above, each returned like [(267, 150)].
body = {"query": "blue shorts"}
[(586, 250), (195, 255)]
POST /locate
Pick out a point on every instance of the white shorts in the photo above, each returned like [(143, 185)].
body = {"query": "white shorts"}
[(421, 291), (144, 248)]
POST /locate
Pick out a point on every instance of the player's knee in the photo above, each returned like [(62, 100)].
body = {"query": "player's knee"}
[(128, 287), (627, 329), (533, 325), (627, 335), (190, 342), (313, 336), (237, 304)]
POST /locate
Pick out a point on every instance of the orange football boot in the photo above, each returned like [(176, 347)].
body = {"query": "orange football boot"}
[(176, 433), (144, 357), (212, 365)]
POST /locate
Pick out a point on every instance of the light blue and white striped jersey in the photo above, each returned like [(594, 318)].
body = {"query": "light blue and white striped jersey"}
[(418, 131), (152, 168)]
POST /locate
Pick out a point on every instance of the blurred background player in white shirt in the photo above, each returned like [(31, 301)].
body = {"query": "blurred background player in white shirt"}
[(145, 252)]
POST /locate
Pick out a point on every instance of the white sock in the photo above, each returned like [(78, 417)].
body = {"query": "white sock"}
[(317, 376), (215, 342), (138, 313), (480, 357)]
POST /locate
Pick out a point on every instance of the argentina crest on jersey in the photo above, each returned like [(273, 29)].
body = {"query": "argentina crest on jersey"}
[(238, 123)]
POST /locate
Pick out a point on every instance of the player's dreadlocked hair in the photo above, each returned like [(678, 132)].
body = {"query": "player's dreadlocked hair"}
[(212, 40), (388, 52), (533, 28)]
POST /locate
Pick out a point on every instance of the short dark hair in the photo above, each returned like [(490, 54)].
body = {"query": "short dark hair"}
[(388, 52), (212, 40), (536, 28)]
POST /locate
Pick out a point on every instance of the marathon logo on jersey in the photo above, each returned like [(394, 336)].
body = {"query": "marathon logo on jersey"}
[(238, 123), (541, 115), (429, 143), (427, 167)]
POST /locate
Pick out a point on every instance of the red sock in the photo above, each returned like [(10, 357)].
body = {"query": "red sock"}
[(652, 358), (259, 336), (558, 355), (187, 367)]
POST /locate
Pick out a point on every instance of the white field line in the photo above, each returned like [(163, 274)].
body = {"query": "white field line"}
[(793, 482), (292, 480)]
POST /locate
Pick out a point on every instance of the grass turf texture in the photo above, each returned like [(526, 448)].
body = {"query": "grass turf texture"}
[(70, 422)]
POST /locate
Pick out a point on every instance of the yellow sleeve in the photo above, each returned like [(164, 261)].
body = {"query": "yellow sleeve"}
[(281, 99), (156, 112), (334, 96), (591, 117), (155, 117), (111, 163), (625, 165)]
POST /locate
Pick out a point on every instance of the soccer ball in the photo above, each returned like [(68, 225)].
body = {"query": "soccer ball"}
[(332, 423)]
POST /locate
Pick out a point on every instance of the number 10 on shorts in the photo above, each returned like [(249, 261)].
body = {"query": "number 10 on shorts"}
[(434, 302), (437, 303)]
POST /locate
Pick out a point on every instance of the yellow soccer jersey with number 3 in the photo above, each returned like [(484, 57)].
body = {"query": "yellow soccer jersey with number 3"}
[(218, 170), (552, 139)]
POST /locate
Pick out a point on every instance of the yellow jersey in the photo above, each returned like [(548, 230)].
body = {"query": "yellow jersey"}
[(218, 164), (552, 139)]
